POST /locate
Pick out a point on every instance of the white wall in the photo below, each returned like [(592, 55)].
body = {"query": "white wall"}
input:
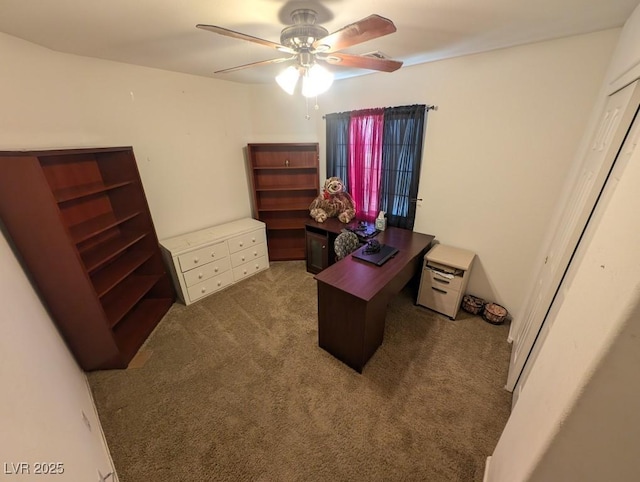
[(187, 132), (577, 416), (44, 393), (497, 150)]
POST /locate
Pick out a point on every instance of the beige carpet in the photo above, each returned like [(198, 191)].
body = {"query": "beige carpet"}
[(236, 388)]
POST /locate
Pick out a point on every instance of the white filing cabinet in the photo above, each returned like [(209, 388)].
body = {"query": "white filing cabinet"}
[(205, 261), (445, 275)]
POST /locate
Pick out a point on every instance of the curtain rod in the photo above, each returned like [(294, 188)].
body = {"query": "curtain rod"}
[(427, 109)]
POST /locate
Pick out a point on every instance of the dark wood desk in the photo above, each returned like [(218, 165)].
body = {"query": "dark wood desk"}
[(320, 239), (353, 296)]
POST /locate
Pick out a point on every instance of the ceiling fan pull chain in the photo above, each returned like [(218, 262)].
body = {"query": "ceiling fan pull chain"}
[(306, 101)]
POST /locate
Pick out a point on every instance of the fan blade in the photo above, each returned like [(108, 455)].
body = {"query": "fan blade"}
[(242, 36), (255, 64), (373, 26), (362, 62)]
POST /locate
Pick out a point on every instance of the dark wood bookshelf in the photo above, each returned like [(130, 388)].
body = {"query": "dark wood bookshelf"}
[(79, 221), (284, 180), (138, 324), (121, 299), (76, 192), (110, 276), (91, 227), (102, 253)]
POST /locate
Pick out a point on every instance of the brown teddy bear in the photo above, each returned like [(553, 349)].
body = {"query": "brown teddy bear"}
[(333, 202)]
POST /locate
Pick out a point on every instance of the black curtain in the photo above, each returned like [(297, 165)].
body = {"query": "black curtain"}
[(401, 158), (338, 146)]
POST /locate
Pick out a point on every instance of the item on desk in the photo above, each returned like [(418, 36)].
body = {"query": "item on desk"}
[(363, 230), (373, 246), (333, 202), (381, 221), (383, 254)]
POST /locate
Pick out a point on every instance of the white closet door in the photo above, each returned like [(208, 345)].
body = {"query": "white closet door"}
[(616, 119), (621, 162)]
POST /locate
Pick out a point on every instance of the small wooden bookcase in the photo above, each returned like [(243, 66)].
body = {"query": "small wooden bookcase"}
[(284, 181), (80, 222)]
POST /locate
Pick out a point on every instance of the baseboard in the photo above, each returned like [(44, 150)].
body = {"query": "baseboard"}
[(486, 469), (113, 474)]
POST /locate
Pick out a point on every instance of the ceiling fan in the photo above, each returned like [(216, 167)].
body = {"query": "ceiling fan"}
[(308, 43)]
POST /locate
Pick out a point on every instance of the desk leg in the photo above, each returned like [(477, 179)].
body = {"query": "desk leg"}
[(349, 328)]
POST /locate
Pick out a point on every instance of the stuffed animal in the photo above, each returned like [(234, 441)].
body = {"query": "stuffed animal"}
[(333, 202)]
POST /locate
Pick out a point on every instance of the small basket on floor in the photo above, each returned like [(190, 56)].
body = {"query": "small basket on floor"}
[(494, 313), (472, 304)]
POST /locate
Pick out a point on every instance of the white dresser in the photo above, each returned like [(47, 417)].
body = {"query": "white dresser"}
[(445, 275), (205, 261)]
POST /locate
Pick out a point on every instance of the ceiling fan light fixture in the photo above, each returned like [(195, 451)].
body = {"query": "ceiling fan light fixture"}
[(316, 81), (288, 79)]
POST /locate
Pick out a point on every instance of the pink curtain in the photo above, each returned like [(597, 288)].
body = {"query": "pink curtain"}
[(365, 161)]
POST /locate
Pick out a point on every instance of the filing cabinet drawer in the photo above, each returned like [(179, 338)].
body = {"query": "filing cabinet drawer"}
[(248, 254), (202, 256), (209, 286), (238, 243), (439, 299), (250, 268), (209, 270), (442, 281)]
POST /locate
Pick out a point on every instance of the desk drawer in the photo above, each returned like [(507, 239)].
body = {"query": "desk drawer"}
[(443, 282), (209, 270), (202, 256), (243, 241), (209, 286)]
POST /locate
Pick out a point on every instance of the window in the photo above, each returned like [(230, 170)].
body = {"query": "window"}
[(378, 153)]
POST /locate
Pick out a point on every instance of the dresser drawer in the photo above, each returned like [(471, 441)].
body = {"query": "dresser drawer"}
[(442, 300), (206, 271), (248, 254), (209, 286), (243, 241), (441, 281), (202, 256), (250, 268)]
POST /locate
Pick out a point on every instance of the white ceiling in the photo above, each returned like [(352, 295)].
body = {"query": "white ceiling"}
[(162, 33)]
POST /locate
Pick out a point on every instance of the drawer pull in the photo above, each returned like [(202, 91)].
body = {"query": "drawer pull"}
[(241, 244), (286, 162), (244, 272), (204, 290), (438, 290), (255, 253), (195, 260), (440, 280), (213, 255), (200, 275), (243, 258), (253, 240), (219, 283), (257, 266), (215, 270)]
